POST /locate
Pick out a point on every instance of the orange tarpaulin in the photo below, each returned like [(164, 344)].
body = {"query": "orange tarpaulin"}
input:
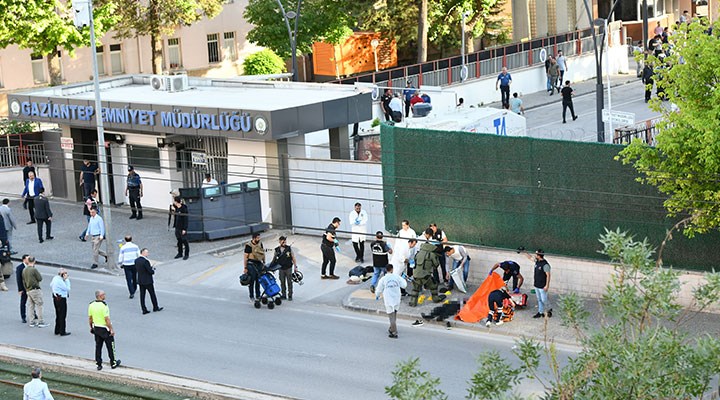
[(477, 307)]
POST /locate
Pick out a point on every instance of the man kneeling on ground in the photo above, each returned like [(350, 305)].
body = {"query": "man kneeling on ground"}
[(495, 303)]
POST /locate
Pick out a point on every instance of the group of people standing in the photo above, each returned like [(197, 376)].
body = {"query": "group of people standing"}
[(392, 104)]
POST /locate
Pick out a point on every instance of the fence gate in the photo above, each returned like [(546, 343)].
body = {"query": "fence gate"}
[(202, 155)]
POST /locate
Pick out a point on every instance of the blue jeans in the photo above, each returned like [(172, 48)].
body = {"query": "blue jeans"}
[(466, 270), (131, 278), (377, 271), (542, 299), (82, 235), (550, 85)]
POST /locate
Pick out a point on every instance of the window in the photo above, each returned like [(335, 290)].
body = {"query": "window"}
[(213, 50), (100, 60), (116, 62), (212, 191), (229, 52), (38, 68), (234, 188), (144, 157), (174, 55)]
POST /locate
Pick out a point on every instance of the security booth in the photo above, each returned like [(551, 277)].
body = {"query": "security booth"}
[(217, 212)]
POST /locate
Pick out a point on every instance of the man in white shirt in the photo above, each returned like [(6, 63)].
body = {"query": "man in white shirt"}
[(390, 286), (129, 252), (209, 181), (396, 106), (36, 389), (562, 64), (9, 221), (401, 250), (358, 219), (460, 258)]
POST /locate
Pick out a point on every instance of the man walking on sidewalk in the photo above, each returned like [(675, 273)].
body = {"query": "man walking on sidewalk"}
[(327, 247), (134, 191), (504, 80), (562, 65), (567, 102), (181, 225), (21, 287), (32, 189), (96, 230), (43, 215), (145, 273), (31, 281)]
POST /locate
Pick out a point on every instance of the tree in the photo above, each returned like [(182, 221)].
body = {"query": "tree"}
[(46, 27), (685, 162), (483, 20), (320, 20), (642, 352), (422, 41), (264, 62), (156, 18)]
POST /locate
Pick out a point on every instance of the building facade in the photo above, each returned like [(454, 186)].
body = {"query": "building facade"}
[(212, 48)]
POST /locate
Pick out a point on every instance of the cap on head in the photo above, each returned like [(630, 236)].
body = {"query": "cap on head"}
[(131, 168), (540, 252), (379, 234)]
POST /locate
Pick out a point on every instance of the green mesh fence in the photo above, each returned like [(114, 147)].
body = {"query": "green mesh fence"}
[(514, 191)]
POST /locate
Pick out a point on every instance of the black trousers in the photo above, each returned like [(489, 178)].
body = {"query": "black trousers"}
[(505, 96), (87, 188), (182, 242), (130, 278), (23, 305), (407, 108), (102, 336), (359, 250), (254, 286), (48, 228), (150, 289), (648, 89), (31, 207), (506, 277), (443, 268), (566, 105), (60, 304), (328, 254), (134, 195)]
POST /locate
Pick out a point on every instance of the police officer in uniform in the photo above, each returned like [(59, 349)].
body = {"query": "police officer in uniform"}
[(134, 190), (101, 327), (511, 269), (181, 225), (254, 262), (426, 261)]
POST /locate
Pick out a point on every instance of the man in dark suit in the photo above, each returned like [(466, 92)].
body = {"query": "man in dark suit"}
[(29, 167), (43, 215), (145, 279), (21, 287), (181, 225), (31, 191)]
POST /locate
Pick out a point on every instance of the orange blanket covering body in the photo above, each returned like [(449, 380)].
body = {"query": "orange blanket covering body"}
[(476, 308)]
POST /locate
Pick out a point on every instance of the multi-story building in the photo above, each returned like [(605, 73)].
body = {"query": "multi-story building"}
[(212, 48)]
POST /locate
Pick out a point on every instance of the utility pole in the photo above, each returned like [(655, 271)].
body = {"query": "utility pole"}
[(84, 17)]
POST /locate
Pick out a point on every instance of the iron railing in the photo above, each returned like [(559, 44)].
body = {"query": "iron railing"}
[(483, 63), (644, 130), (12, 156)]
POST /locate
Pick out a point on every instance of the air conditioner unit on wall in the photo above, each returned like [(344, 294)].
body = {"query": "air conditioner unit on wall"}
[(177, 83)]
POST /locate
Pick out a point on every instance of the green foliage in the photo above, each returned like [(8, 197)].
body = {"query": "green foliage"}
[(264, 62), (8, 127), (45, 26), (685, 163), (483, 20), (409, 383), (639, 350), (375, 122), (162, 17), (320, 20)]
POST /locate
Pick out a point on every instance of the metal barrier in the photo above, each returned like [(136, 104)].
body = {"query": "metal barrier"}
[(12, 156), (644, 130), (483, 63)]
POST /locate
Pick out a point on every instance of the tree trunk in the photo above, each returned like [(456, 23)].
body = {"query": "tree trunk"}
[(422, 31), (156, 46), (469, 40), (53, 62)]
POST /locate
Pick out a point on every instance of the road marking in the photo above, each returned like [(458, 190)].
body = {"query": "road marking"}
[(208, 273)]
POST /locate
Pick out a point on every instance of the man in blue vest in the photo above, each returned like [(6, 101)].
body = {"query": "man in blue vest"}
[(504, 80)]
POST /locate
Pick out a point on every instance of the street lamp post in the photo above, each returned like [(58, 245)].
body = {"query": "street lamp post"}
[(375, 43), (463, 70), (287, 16), (84, 8)]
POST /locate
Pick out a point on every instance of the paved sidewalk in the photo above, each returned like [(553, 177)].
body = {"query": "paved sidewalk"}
[(542, 98)]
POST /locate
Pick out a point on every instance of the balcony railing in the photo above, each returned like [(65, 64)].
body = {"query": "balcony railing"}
[(488, 62)]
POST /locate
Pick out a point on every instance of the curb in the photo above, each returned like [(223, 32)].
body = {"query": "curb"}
[(132, 376), (348, 305)]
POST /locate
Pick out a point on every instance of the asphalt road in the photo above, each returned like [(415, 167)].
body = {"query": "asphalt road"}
[(306, 349), (546, 121)]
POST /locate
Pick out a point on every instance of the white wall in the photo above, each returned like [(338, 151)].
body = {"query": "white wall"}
[(247, 161), (323, 189), (156, 184), (525, 80), (11, 180)]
